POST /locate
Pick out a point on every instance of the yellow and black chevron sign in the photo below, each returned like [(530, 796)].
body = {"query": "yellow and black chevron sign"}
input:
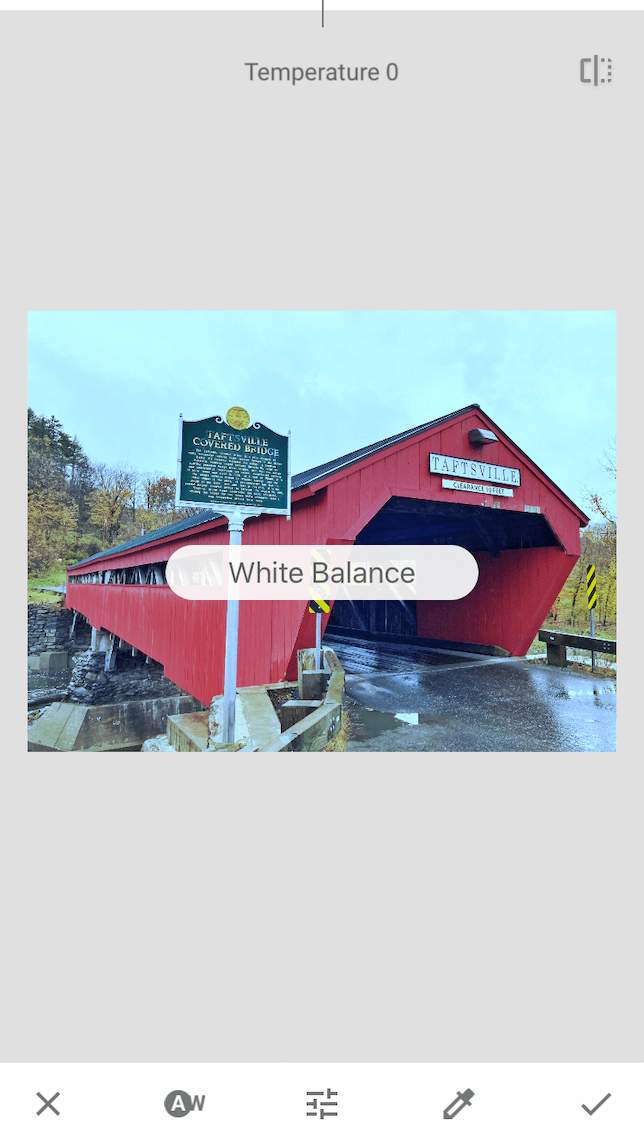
[(592, 586), (319, 606)]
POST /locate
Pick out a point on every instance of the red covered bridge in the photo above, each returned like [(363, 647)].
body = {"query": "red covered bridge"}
[(455, 480)]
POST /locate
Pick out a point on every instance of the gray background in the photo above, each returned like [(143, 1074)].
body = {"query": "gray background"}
[(384, 908)]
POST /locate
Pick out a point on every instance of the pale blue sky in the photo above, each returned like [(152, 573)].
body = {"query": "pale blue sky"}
[(337, 380)]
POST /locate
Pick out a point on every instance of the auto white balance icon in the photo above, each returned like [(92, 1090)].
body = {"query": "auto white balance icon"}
[(178, 1103)]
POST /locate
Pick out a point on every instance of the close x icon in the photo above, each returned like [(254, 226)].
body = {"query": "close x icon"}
[(49, 1104)]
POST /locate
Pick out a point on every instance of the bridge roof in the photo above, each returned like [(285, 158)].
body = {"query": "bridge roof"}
[(317, 475), (155, 535), (319, 472)]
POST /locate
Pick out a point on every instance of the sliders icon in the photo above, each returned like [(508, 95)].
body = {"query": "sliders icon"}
[(460, 1102)]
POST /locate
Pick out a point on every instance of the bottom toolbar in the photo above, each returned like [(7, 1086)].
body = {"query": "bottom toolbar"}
[(298, 1103)]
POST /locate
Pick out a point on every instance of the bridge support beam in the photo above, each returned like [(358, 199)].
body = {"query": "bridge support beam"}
[(110, 655), (100, 640)]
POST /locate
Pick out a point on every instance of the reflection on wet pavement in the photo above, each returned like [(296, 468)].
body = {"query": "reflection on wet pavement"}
[(361, 657), (408, 699)]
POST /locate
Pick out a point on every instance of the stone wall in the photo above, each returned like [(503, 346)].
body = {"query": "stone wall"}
[(49, 628), (131, 679)]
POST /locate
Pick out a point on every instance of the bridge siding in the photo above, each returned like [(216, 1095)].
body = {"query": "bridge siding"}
[(514, 593)]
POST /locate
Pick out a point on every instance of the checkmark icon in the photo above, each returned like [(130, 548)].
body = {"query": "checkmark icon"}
[(591, 1111)]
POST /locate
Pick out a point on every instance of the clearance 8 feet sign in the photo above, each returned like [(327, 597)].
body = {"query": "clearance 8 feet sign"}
[(232, 463)]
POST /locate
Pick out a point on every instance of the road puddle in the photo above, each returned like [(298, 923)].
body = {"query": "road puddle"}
[(367, 723)]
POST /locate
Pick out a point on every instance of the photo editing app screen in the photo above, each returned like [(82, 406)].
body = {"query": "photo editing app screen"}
[(319, 308)]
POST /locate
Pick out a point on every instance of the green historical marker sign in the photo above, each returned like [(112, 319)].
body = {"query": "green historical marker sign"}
[(233, 463), (242, 469)]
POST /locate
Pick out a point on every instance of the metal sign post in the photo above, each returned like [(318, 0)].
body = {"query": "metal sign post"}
[(238, 469), (592, 601), (235, 528)]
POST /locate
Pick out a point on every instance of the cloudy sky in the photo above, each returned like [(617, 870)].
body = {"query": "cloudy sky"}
[(337, 380)]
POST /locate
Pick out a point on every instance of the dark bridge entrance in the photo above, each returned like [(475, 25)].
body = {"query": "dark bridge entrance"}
[(405, 520), (393, 617)]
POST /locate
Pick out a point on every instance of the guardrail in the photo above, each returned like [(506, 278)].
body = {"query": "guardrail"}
[(558, 642)]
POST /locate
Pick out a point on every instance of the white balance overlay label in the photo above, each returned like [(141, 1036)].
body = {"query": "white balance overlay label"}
[(333, 572), (474, 487)]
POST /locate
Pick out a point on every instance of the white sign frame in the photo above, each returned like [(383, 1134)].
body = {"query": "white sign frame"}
[(236, 510), (472, 487), (465, 468)]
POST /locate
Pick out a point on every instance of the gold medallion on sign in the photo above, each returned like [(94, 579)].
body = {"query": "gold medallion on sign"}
[(238, 418)]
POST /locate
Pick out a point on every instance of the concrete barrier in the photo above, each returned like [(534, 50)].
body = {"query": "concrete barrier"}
[(316, 729), (105, 727), (52, 661), (188, 732), (303, 725)]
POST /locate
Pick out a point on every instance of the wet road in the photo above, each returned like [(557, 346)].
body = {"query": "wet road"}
[(408, 699)]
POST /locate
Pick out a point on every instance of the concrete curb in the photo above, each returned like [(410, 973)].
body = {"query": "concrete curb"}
[(315, 730)]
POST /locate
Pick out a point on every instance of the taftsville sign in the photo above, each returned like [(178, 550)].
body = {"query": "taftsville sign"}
[(231, 463), (470, 469)]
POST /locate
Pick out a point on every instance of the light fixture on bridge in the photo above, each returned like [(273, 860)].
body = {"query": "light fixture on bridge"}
[(482, 437)]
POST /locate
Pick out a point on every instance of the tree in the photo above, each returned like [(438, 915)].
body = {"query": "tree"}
[(51, 512), (155, 508), (161, 495), (50, 517), (69, 496), (605, 544), (81, 485), (598, 548), (46, 437), (114, 489)]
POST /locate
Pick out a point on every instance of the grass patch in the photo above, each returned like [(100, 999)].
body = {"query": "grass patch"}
[(606, 673), (340, 741), (57, 574)]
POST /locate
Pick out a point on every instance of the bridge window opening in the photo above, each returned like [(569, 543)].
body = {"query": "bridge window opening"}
[(153, 574)]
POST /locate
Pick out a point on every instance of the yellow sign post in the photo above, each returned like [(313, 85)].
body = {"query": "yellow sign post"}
[(318, 607), (591, 583)]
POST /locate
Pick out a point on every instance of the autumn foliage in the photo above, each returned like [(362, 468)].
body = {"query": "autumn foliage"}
[(77, 508), (598, 548)]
